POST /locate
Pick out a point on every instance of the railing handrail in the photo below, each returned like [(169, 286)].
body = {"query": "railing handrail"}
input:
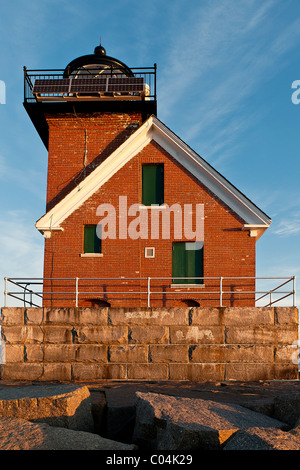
[(221, 288), (289, 278), (149, 74), (29, 72)]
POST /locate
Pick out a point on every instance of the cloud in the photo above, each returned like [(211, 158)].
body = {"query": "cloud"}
[(212, 38), (288, 226), (279, 270), (30, 179), (22, 246), (220, 57)]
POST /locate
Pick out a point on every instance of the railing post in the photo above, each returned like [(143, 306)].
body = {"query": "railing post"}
[(294, 291), (221, 291), (155, 68), (25, 97), (5, 292), (76, 298), (148, 292)]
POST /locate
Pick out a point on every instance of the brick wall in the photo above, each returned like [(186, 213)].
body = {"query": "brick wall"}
[(197, 344), (228, 250), (80, 142)]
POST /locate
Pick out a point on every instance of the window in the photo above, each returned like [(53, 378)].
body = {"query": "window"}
[(92, 243), (149, 252), (187, 261), (152, 184)]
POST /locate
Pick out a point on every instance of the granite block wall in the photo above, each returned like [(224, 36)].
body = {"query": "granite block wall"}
[(160, 344)]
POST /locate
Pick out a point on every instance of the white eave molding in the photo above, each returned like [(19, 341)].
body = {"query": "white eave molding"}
[(47, 232), (255, 231), (153, 129)]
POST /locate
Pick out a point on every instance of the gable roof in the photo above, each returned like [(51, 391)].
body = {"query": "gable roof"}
[(154, 129)]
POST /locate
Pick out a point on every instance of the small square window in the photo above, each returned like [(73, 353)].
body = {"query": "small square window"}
[(149, 252)]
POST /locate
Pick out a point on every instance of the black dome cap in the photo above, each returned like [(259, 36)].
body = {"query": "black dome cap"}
[(99, 57)]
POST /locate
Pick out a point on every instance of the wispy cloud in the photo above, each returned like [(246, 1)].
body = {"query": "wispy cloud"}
[(214, 38), (31, 180), (288, 226), (21, 248), (21, 244), (220, 57)]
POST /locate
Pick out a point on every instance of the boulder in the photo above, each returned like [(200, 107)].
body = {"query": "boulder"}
[(60, 405), (20, 434), (287, 408), (262, 439), (178, 423)]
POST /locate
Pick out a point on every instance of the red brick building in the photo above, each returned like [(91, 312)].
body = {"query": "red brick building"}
[(134, 216)]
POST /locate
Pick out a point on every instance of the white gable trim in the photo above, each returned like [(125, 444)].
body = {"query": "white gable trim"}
[(153, 129), (210, 177)]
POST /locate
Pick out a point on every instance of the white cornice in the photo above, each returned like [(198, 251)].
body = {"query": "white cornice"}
[(153, 129)]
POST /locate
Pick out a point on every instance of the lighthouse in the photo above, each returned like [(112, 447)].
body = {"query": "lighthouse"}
[(133, 216)]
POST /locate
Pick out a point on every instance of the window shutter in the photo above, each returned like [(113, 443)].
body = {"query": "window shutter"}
[(178, 262), (159, 184), (194, 264), (152, 184), (92, 244), (187, 262)]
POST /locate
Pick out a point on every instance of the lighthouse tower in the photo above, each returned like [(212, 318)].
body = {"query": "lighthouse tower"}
[(83, 113), (86, 111)]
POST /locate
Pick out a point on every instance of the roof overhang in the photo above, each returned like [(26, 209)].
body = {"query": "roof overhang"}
[(37, 111), (154, 129)]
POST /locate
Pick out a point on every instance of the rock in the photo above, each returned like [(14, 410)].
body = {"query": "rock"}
[(120, 422), (61, 405), (120, 414), (177, 423), (20, 434), (287, 408), (296, 429), (99, 411), (262, 439), (262, 405)]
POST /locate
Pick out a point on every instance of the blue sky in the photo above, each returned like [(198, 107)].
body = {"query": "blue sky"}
[(225, 71)]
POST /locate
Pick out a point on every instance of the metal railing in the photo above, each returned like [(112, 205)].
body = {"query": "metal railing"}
[(147, 73), (220, 290)]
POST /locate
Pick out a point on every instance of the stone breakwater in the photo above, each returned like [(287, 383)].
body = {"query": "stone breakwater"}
[(187, 344), (150, 417)]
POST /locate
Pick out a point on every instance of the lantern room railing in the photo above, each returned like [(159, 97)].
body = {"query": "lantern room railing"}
[(110, 84)]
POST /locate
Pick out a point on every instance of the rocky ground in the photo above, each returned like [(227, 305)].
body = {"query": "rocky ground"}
[(150, 416)]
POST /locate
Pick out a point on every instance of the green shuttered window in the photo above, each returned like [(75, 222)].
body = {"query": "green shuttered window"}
[(152, 184), (187, 260), (92, 244)]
